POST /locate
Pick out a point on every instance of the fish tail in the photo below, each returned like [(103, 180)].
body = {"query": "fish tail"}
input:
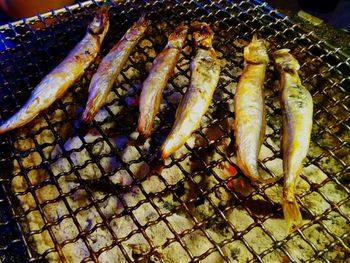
[(170, 145), (7, 125), (4, 128), (291, 212), (251, 172), (164, 154), (90, 110), (87, 116), (256, 52), (258, 180), (20, 118), (268, 180), (144, 126), (165, 151)]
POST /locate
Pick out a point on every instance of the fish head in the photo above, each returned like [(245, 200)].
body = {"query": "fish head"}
[(140, 26), (256, 52), (203, 35), (285, 61), (178, 37), (100, 23)]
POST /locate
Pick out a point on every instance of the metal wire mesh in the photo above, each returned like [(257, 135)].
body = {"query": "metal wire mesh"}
[(73, 192)]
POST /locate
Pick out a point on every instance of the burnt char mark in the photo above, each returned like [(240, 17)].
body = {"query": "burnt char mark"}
[(103, 185), (262, 208)]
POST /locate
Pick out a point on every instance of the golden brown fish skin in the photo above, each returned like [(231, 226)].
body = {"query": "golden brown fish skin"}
[(297, 110), (249, 108), (110, 67), (56, 83), (162, 68), (205, 72)]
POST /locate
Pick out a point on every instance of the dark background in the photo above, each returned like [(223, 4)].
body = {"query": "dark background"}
[(339, 17), (335, 28)]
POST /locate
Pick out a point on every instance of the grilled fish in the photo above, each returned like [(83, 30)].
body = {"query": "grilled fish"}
[(56, 83), (297, 110), (110, 67), (205, 72), (249, 123), (153, 87)]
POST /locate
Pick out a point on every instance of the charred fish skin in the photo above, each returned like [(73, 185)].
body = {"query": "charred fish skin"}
[(110, 67), (57, 82), (249, 108), (152, 89), (205, 72), (297, 110)]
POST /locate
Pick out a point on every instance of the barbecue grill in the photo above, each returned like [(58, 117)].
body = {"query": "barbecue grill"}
[(94, 193)]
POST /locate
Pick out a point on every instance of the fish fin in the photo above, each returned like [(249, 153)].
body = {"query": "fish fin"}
[(291, 213)]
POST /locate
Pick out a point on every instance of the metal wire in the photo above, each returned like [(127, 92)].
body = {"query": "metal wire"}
[(34, 46)]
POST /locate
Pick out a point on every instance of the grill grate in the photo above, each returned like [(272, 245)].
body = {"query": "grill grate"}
[(84, 193)]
